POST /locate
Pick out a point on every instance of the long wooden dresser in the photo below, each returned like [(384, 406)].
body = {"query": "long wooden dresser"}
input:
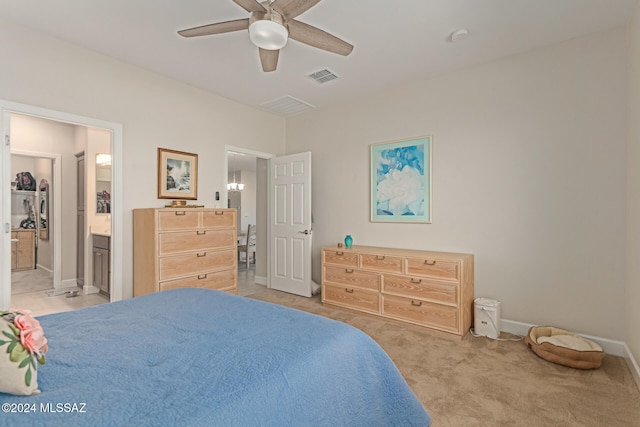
[(432, 289), (188, 247)]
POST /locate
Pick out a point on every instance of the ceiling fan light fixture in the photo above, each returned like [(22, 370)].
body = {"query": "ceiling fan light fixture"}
[(268, 34)]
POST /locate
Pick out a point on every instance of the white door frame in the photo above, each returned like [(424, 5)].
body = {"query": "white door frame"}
[(117, 211)]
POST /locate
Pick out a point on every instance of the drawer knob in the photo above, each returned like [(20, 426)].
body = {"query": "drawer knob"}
[(339, 253), (349, 291), (416, 280), (416, 303), (200, 233), (202, 276), (180, 213), (380, 257), (219, 212), (201, 255), (348, 270), (427, 262)]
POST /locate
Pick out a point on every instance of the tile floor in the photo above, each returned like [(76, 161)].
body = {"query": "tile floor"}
[(31, 290)]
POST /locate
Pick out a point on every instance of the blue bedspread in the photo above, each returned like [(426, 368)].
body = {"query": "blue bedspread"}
[(195, 357)]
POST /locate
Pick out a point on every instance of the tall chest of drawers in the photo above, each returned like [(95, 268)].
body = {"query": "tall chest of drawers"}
[(426, 288), (184, 248)]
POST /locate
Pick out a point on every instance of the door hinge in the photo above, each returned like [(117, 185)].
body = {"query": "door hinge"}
[(6, 228), (7, 140)]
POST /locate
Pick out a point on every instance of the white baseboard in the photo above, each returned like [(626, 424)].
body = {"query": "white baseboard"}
[(40, 267), (67, 283), (89, 289), (633, 365), (260, 280), (616, 348)]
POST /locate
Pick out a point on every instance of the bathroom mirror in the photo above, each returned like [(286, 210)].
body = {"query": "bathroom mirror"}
[(43, 232), (103, 183)]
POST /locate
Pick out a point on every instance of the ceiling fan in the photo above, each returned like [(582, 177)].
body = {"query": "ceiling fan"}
[(270, 25)]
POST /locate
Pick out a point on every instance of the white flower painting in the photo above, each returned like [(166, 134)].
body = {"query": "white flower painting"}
[(400, 181)]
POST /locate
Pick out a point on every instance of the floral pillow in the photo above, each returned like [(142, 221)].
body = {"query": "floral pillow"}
[(22, 348)]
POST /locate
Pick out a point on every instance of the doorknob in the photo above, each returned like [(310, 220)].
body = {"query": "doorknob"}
[(305, 232)]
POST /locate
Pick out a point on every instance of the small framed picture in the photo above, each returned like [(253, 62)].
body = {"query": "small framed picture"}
[(177, 175), (401, 181)]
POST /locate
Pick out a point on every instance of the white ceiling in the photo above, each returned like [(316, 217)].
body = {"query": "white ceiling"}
[(395, 41)]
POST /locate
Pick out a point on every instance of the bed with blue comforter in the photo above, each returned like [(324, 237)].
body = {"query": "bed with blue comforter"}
[(195, 357)]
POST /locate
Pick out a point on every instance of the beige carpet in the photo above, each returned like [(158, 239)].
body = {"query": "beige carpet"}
[(482, 382)]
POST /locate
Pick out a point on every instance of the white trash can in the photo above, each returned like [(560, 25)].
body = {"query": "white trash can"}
[(486, 321)]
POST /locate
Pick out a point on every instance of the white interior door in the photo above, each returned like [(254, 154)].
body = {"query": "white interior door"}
[(290, 224)]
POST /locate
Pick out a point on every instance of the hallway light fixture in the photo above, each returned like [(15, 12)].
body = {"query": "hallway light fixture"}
[(234, 185)]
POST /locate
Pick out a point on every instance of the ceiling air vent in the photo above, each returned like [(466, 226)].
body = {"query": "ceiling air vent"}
[(286, 106), (323, 76)]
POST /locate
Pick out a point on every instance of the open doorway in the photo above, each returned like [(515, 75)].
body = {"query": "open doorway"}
[(37, 145), (11, 113), (247, 191)]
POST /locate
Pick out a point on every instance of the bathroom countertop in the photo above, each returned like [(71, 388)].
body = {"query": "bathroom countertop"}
[(100, 230)]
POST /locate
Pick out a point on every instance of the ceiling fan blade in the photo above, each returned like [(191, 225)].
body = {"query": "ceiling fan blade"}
[(220, 27), (292, 8), (250, 5), (269, 59), (316, 37)]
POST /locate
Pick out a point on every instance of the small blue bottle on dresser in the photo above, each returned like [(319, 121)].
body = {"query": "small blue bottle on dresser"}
[(348, 241)]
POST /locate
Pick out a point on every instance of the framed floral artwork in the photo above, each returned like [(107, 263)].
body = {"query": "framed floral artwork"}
[(401, 181), (177, 175)]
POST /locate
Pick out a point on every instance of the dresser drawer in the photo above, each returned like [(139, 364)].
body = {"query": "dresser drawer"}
[(221, 280), (417, 287), (420, 312), (177, 266), (339, 257), (381, 263), (435, 268), (178, 220), (218, 218), (194, 240), (352, 277), (354, 298)]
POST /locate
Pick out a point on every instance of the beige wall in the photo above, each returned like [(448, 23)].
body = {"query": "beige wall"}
[(632, 294), (154, 111), (528, 175)]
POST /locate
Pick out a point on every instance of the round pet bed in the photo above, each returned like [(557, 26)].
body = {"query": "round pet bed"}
[(562, 347)]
